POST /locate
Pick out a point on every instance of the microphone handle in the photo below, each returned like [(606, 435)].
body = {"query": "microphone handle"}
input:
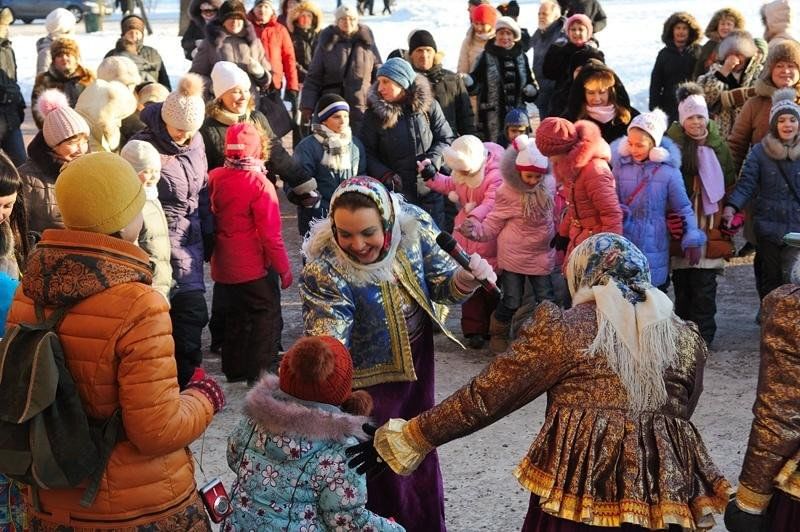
[(461, 257)]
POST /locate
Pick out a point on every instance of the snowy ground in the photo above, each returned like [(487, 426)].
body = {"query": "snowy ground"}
[(480, 491)]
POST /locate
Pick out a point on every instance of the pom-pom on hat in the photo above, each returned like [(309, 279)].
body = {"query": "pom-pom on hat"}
[(64, 45), (691, 101), (60, 120), (509, 24), (782, 103), (99, 192), (653, 123), (484, 14), (328, 105), (59, 21), (225, 76), (142, 156), (119, 68), (466, 154), (556, 136), (184, 107), (421, 38), (317, 368), (529, 158), (398, 70)]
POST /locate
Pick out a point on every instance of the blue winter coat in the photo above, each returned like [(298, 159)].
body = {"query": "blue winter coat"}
[(645, 216), (291, 469), (183, 193), (776, 210)]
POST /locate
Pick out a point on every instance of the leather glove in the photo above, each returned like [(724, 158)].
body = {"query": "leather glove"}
[(693, 255), (479, 270), (676, 224), (286, 279), (308, 200), (291, 97), (363, 456), (559, 242), (392, 181), (530, 92), (305, 114), (422, 188), (731, 226), (737, 520), (208, 387), (426, 170), (208, 246)]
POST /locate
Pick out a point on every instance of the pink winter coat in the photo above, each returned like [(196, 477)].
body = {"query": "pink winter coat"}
[(248, 226), (479, 200)]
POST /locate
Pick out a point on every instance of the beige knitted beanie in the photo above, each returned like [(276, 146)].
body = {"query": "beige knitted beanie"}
[(184, 108)]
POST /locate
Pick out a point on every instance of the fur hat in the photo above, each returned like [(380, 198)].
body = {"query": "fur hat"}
[(345, 11), (132, 22), (484, 14), (556, 136), (142, 156), (529, 158), (691, 101), (104, 104), (61, 122), (782, 103), (784, 50), (317, 368), (59, 22), (466, 154), (231, 9), (64, 45), (580, 18), (712, 31), (184, 107), (99, 192), (225, 76), (654, 124), (777, 19), (695, 32), (509, 24), (398, 70), (119, 68), (150, 93), (737, 41), (328, 105), (421, 38)]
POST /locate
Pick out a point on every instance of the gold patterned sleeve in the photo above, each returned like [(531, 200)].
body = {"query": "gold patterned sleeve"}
[(775, 434), (533, 363)]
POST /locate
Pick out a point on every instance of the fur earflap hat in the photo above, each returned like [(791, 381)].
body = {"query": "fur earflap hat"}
[(59, 22), (231, 9), (782, 104), (184, 107), (654, 124), (782, 51), (691, 101), (509, 24), (61, 122), (317, 368), (556, 136), (142, 156), (225, 76), (739, 42), (529, 158), (119, 68), (465, 155), (65, 45)]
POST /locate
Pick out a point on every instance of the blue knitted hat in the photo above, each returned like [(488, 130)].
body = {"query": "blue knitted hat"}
[(398, 70), (516, 117)]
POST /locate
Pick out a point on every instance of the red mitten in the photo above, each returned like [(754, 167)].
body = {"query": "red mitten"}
[(735, 224), (209, 387), (676, 224)]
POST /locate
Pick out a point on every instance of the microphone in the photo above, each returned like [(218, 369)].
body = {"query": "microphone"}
[(449, 244)]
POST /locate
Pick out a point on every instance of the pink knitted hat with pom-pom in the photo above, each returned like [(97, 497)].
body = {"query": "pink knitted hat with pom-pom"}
[(61, 122), (184, 108)]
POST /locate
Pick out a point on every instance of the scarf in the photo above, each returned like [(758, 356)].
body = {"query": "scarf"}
[(151, 193), (335, 147), (712, 180), (248, 164), (537, 202), (635, 328), (602, 113)]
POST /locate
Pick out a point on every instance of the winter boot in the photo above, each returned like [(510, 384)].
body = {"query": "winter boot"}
[(498, 335)]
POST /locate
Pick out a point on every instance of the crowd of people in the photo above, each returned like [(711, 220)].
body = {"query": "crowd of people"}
[(582, 208)]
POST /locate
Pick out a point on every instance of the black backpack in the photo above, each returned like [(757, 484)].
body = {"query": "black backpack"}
[(46, 439)]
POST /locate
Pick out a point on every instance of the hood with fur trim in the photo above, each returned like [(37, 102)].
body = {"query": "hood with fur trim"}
[(419, 98), (590, 146), (509, 172), (695, 33), (711, 30), (278, 413), (668, 153), (330, 36), (194, 11), (312, 8), (217, 34)]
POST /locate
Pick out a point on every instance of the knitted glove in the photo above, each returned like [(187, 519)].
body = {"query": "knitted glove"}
[(255, 69), (737, 520), (209, 387), (426, 170), (392, 181), (559, 242), (732, 221), (479, 270), (676, 225), (693, 255), (286, 279)]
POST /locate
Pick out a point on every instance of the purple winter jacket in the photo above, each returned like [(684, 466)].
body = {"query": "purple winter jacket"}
[(183, 192)]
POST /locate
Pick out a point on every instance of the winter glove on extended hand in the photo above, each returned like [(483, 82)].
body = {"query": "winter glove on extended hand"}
[(732, 221), (426, 170), (470, 228), (559, 242), (479, 270), (209, 388), (363, 456), (737, 520), (676, 224)]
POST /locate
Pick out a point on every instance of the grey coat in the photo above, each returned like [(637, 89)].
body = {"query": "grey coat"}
[(154, 240)]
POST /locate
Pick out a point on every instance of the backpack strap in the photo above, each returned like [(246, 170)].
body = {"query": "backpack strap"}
[(52, 321), (106, 434)]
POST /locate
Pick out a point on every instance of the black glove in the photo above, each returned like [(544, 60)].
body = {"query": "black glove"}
[(737, 520), (208, 246), (307, 200), (363, 456), (291, 97), (559, 242), (392, 181), (428, 173)]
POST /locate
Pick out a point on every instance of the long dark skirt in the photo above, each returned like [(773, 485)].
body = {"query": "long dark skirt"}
[(415, 501), (784, 512), (539, 521)]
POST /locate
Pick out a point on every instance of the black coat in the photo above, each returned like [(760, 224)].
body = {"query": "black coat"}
[(672, 68), (304, 42), (12, 104), (590, 8), (559, 63)]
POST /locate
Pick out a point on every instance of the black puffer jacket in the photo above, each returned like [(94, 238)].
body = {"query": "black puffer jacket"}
[(12, 104), (560, 62), (397, 135), (304, 41)]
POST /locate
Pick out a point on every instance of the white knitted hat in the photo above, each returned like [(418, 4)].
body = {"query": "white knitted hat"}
[(692, 105), (510, 24), (60, 120), (529, 158), (119, 68), (466, 154), (225, 76), (59, 22), (184, 107), (142, 156), (345, 11), (653, 123)]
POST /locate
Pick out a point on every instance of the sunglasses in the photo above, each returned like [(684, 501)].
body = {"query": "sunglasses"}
[(209, 11)]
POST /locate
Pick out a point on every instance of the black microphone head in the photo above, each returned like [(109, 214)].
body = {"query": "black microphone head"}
[(446, 241)]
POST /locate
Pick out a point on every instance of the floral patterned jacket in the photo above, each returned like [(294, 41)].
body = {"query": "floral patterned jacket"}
[(292, 472)]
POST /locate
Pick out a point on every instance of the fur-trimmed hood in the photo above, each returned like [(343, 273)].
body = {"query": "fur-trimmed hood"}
[(311, 7), (577, 98), (695, 33), (217, 34), (508, 170), (330, 36), (194, 11), (281, 414), (590, 146), (711, 30), (667, 153), (765, 88), (419, 98), (776, 149)]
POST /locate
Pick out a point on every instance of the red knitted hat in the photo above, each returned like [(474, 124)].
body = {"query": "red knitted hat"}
[(484, 14), (317, 368), (242, 140), (556, 136)]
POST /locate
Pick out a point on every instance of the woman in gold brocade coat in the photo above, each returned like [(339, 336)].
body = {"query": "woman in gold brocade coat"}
[(623, 375), (768, 496)]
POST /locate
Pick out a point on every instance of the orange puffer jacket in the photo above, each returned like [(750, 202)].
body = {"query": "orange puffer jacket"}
[(118, 346)]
